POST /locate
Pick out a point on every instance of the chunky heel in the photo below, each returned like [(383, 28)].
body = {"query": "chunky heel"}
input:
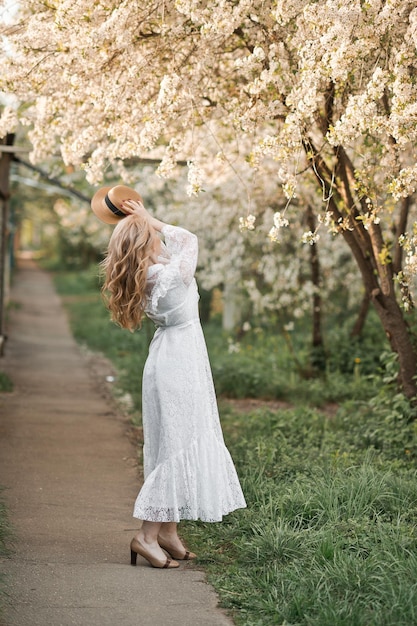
[(133, 557)]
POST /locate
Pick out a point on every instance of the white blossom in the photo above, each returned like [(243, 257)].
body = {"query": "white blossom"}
[(241, 91), (8, 121), (195, 179), (247, 223), (310, 237), (279, 220), (273, 234)]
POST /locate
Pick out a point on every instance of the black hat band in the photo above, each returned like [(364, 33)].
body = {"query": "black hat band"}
[(112, 207)]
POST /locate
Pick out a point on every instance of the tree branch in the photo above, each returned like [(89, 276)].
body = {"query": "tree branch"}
[(360, 252), (400, 229), (51, 179)]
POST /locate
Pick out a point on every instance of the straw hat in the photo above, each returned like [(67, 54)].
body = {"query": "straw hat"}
[(106, 202)]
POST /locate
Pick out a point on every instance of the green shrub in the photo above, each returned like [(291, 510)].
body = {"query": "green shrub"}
[(347, 354), (83, 282), (262, 366)]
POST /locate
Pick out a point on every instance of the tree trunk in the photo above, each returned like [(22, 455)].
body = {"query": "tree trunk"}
[(400, 339), (357, 329), (368, 247), (379, 286)]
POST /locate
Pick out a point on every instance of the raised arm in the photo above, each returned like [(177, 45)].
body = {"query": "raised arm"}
[(182, 245)]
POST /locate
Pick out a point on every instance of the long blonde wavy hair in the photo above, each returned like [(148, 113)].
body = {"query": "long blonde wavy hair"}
[(125, 269)]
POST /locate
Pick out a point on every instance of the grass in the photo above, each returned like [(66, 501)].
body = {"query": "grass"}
[(329, 537)]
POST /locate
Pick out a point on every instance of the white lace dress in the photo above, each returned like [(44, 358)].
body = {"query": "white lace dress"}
[(188, 471)]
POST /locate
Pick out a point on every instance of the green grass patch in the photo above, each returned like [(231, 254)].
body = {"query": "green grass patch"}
[(329, 537)]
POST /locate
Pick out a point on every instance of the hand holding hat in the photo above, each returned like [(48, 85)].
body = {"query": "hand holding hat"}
[(109, 203), (134, 206)]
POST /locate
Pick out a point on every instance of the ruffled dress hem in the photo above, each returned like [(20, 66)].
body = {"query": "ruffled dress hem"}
[(197, 483)]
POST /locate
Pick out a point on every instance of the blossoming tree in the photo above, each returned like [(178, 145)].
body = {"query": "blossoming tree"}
[(324, 90)]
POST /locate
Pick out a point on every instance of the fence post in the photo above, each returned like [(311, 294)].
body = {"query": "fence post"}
[(5, 159)]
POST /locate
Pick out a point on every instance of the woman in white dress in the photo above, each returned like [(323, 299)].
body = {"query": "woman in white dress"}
[(188, 471)]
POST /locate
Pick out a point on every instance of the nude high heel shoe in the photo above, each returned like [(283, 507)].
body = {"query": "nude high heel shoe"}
[(136, 548), (186, 556)]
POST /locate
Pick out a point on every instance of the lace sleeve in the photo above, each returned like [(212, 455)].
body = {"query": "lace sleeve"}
[(183, 249)]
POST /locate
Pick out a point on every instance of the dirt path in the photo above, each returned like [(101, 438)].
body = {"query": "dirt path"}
[(69, 469)]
